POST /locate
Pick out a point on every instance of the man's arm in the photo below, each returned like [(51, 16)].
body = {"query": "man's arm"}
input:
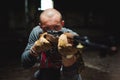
[(72, 60), (38, 42), (27, 59)]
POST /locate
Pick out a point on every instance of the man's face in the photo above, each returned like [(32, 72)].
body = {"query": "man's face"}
[(53, 23)]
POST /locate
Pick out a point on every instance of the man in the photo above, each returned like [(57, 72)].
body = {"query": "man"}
[(43, 47)]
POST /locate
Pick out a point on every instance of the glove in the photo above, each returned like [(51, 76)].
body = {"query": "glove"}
[(67, 49), (44, 43), (66, 45)]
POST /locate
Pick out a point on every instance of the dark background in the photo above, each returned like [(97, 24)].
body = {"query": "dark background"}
[(98, 20)]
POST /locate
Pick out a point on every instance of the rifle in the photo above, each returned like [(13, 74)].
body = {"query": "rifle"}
[(84, 40), (55, 33), (104, 49), (87, 43)]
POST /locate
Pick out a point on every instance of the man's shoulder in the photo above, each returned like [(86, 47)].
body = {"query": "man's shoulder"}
[(37, 29), (35, 32), (65, 29)]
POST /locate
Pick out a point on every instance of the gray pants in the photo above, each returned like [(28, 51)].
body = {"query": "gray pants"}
[(73, 77), (71, 72)]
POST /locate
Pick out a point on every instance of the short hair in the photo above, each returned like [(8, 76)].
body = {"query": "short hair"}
[(50, 12)]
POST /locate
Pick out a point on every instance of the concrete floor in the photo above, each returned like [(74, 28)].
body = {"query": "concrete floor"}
[(97, 68)]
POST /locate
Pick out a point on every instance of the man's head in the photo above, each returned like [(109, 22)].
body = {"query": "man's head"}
[(51, 19)]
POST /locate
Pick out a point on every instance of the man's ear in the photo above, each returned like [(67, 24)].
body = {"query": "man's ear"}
[(39, 24), (63, 23)]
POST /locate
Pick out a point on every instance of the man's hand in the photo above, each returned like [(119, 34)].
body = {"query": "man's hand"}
[(66, 44), (44, 43), (67, 49)]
